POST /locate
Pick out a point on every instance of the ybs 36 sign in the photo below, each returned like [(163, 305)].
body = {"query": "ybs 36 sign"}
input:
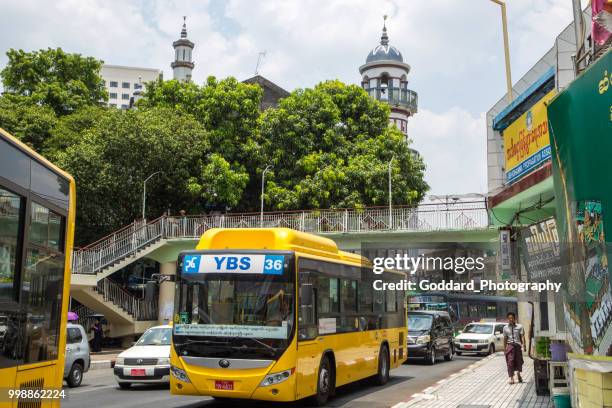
[(234, 263)]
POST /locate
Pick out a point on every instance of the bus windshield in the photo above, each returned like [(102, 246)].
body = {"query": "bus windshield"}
[(243, 311)]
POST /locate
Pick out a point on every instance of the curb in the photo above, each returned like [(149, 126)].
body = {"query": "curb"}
[(428, 393), (101, 364)]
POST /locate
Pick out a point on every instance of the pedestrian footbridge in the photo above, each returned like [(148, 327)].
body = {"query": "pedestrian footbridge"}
[(163, 238)]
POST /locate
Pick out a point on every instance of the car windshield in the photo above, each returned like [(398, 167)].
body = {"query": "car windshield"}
[(156, 337), (479, 328), (419, 322)]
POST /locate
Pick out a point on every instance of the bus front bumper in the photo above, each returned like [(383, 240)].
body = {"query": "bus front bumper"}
[(232, 383)]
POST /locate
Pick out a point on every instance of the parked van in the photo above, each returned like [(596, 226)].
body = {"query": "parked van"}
[(77, 354)]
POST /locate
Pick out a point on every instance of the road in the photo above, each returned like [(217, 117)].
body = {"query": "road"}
[(99, 390)]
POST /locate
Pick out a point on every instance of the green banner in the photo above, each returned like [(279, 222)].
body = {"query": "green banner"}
[(580, 122)]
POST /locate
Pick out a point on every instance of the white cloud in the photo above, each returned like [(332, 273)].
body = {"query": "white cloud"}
[(453, 144), (454, 48)]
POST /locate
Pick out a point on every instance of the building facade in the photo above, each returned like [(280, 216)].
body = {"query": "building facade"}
[(122, 82), (182, 66), (385, 77)]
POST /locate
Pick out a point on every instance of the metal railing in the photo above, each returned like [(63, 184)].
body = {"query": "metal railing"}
[(139, 235), (84, 320), (396, 96), (138, 308)]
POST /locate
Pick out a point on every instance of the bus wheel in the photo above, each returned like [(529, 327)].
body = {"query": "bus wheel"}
[(383, 366), (325, 382), (75, 376)]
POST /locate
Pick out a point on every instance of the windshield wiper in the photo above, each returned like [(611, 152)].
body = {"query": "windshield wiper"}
[(263, 344)]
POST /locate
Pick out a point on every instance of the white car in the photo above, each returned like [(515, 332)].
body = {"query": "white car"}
[(148, 361), (481, 337)]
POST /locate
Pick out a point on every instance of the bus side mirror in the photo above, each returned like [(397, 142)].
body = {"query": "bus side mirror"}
[(306, 294)]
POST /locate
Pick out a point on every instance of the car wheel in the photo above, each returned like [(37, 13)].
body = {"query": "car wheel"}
[(382, 376), (124, 385), (325, 382), (75, 376), (451, 353), (431, 359), (491, 349)]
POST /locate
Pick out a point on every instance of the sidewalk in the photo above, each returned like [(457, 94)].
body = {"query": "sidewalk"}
[(483, 384)]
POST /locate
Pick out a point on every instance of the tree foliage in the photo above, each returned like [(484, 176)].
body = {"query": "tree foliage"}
[(330, 146), (62, 81)]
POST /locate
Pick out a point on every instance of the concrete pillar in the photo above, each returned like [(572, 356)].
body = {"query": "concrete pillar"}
[(166, 293)]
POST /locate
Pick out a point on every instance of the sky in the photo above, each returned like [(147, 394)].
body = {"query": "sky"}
[(454, 48)]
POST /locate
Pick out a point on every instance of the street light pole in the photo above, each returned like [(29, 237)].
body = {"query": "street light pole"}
[(263, 184), (144, 193), (390, 194), (506, 48)]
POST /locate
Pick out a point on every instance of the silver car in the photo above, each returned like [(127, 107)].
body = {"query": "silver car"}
[(77, 354)]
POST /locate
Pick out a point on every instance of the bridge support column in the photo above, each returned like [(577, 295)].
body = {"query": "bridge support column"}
[(166, 293)]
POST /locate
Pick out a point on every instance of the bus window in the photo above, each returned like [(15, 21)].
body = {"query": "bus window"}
[(366, 297), (391, 301), (42, 284), (327, 295), (11, 225)]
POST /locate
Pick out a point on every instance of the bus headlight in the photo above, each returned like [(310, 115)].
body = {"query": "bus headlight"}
[(276, 378), (423, 339), (179, 374)]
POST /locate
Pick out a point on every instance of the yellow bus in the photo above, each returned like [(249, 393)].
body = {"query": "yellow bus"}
[(279, 315), (37, 211)]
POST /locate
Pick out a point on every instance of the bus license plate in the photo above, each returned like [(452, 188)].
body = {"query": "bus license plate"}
[(138, 372), (224, 385)]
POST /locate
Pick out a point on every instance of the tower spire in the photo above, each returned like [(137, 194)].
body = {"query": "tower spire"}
[(184, 30), (384, 39)]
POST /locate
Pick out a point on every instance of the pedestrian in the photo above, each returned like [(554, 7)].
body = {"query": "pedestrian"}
[(514, 341), (98, 335)]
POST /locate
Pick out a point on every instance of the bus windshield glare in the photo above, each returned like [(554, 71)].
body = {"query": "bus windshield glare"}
[(235, 303)]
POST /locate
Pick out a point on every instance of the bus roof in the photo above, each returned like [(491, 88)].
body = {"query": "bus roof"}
[(275, 239)]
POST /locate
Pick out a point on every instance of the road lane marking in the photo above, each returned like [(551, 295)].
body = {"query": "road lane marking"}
[(91, 389)]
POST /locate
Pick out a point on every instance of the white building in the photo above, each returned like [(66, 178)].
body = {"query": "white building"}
[(121, 82), (385, 77), (182, 65)]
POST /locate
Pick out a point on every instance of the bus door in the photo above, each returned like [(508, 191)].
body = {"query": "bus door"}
[(308, 347)]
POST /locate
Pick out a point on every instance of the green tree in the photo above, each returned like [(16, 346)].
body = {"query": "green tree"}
[(27, 121), (54, 78), (330, 147), (114, 156)]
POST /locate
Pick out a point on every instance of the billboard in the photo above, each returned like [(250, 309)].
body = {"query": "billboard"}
[(526, 141), (580, 123), (541, 251)]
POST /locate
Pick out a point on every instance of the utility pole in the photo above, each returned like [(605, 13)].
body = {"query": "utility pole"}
[(506, 48), (390, 194), (579, 32)]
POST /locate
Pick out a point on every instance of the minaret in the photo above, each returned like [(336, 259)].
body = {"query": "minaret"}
[(182, 65), (385, 77)]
